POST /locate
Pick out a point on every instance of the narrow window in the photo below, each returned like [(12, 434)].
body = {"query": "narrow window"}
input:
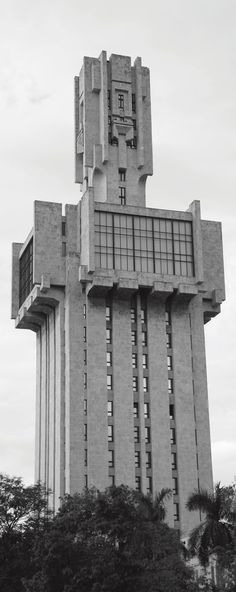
[(109, 99), (172, 411), (85, 335), (85, 457), (110, 433), (148, 460), (145, 384), (121, 102), (144, 338), (145, 361), (122, 175), (63, 228), (149, 485), (136, 412), (135, 383), (85, 357), (174, 461), (134, 337), (108, 313), (172, 436), (168, 340), (85, 380), (147, 434), (168, 319), (138, 483), (111, 458), (85, 481), (176, 512), (133, 102), (134, 360), (85, 406), (122, 195), (137, 460), (143, 315), (146, 410), (109, 382), (170, 386), (136, 434), (85, 432), (108, 335), (84, 311), (110, 408), (133, 315), (175, 485), (109, 359), (169, 362)]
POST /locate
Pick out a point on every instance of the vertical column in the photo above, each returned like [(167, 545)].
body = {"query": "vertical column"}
[(123, 393), (200, 395), (184, 410), (159, 400), (59, 369), (97, 393), (38, 413), (74, 378)]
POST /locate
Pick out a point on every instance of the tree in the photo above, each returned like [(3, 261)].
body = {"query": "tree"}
[(100, 542), (215, 533), (23, 511), (154, 507)]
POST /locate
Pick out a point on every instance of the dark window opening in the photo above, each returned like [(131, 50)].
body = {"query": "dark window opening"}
[(121, 101)]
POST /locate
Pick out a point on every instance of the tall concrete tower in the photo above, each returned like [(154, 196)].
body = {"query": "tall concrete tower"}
[(118, 294)]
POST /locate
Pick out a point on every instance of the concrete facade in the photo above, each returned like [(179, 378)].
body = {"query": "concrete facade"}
[(121, 371)]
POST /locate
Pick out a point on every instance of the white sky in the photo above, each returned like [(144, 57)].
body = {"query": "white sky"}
[(190, 47)]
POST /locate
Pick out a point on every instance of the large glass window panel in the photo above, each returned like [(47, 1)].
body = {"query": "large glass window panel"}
[(142, 243)]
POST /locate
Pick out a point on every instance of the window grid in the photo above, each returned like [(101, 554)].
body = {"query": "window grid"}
[(142, 243)]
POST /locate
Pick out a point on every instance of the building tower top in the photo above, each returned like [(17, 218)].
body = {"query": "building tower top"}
[(113, 129)]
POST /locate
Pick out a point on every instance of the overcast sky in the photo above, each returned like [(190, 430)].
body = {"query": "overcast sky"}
[(190, 48)]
